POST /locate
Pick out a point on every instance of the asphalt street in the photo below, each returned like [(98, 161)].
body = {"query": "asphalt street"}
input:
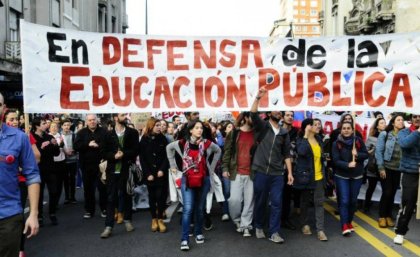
[(78, 237)]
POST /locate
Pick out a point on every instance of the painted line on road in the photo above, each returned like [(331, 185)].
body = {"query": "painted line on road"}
[(368, 237), (389, 233)]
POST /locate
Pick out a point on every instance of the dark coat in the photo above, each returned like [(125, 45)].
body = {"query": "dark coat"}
[(342, 156), (89, 155), (130, 150), (47, 154), (305, 162), (153, 158)]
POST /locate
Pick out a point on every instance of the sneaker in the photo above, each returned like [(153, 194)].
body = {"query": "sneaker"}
[(208, 225), (87, 215), (103, 214), (399, 239), (107, 232), (199, 239), (225, 217), (185, 246), (246, 233), (346, 230), (276, 238), (322, 236), (306, 230), (128, 226), (259, 233), (350, 227)]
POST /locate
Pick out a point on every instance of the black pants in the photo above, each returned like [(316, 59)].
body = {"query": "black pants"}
[(157, 200), (410, 185), (23, 196), (48, 177), (115, 184), (11, 233), (91, 181), (372, 182), (59, 168), (70, 181), (289, 193), (389, 189)]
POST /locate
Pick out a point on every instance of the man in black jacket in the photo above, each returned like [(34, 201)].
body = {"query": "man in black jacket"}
[(120, 149), (87, 143)]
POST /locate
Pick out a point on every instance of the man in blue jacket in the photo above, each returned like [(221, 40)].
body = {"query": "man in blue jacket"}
[(409, 140), (15, 152)]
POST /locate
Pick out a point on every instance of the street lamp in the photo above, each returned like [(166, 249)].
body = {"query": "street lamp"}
[(146, 23)]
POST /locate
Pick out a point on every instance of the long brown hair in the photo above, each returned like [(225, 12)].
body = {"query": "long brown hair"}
[(150, 124)]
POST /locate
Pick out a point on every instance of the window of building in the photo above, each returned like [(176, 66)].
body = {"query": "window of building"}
[(302, 12), (314, 12), (56, 13), (315, 29), (295, 3), (303, 3), (14, 25), (314, 20), (295, 12), (304, 28), (297, 28), (314, 3)]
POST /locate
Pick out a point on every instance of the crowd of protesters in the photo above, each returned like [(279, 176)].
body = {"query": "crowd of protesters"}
[(259, 163)]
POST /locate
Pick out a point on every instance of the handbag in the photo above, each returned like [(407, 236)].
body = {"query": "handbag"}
[(135, 175), (102, 169)]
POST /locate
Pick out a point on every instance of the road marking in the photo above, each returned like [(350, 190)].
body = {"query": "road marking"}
[(368, 237), (389, 233)]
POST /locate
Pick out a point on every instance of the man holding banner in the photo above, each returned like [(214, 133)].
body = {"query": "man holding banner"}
[(409, 140)]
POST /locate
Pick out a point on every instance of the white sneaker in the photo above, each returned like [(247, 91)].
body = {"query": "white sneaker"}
[(399, 239), (246, 233), (185, 246), (276, 238), (225, 217), (259, 233), (199, 239)]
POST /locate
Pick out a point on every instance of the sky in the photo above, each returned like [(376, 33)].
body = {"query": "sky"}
[(203, 17)]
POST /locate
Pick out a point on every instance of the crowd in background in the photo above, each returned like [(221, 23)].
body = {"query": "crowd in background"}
[(246, 163)]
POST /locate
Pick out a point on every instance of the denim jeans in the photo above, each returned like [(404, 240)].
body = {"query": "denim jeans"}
[(348, 190), (194, 201), (114, 187), (226, 193), (264, 186)]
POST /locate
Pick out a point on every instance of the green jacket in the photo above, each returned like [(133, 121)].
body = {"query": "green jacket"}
[(230, 156)]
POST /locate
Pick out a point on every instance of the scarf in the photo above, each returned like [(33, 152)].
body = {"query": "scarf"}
[(189, 162), (347, 141), (412, 128)]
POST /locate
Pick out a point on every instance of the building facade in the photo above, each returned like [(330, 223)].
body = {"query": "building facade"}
[(369, 17), (94, 15), (302, 15)]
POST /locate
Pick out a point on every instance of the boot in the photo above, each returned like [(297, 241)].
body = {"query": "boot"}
[(116, 214), (154, 225), (162, 227), (390, 222), (120, 218), (382, 223)]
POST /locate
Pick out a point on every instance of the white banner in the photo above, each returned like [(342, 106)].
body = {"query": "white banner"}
[(82, 72)]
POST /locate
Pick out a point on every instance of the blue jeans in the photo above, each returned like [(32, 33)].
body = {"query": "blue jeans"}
[(194, 201), (348, 190), (264, 186), (226, 193)]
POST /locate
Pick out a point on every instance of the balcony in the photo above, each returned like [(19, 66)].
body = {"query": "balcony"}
[(102, 3), (351, 26), (366, 23), (12, 50), (385, 11)]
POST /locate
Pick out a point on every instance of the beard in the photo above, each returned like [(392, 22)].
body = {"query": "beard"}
[(275, 119), (123, 122)]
